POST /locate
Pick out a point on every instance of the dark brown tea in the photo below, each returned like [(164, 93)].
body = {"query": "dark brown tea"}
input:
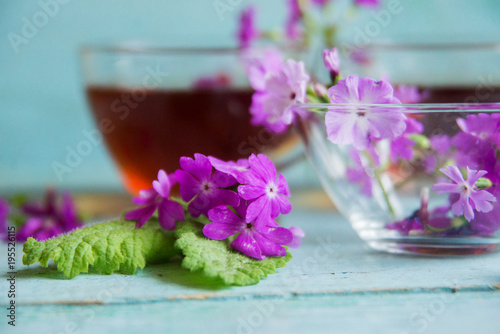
[(445, 123), (149, 130)]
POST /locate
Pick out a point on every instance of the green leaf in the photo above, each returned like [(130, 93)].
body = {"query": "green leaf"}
[(217, 259), (108, 247)]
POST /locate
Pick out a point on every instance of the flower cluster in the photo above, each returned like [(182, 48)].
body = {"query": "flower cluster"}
[(295, 29), (472, 175), (241, 199), (42, 221), (278, 84), (366, 115)]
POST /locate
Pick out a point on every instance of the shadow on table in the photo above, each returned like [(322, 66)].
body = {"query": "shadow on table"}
[(169, 273)]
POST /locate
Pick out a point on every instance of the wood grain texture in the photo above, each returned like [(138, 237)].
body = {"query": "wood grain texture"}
[(334, 281)]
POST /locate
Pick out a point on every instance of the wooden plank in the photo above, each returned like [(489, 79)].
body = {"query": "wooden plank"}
[(332, 260), (406, 313)]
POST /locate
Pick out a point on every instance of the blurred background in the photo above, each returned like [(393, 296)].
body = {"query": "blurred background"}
[(42, 99)]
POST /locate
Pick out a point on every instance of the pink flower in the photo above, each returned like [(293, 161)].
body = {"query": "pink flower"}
[(321, 3), (292, 28), (367, 3), (247, 31), (470, 198), (157, 198), (353, 125), (297, 234), (254, 240), (281, 90), (402, 147), (332, 61), (206, 190), (266, 191), (230, 167), (410, 94), (261, 67), (218, 81), (360, 173), (50, 219), (480, 134)]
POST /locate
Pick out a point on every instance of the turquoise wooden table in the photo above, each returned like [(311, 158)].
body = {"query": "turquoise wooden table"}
[(334, 284)]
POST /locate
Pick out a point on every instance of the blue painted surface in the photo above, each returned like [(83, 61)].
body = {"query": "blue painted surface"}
[(42, 107), (334, 283)]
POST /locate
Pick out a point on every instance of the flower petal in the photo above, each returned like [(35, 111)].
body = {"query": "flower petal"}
[(268, 247), (283, 186), (222, 180), (372, 91), (141, 215), (162, 186), (345, 91), (146, 196), (453, 173), (263, 167), (189, 186), (200, 167), (250, 192), (246, 244), (446, 188), (260, 207)]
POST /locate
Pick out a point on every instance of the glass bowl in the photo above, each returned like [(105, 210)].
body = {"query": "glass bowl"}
[(387, 190), (154, 105), (447, 69)]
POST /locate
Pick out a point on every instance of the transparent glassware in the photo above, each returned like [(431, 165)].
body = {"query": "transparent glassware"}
[(382, 195), (154, 105), (450, 69)]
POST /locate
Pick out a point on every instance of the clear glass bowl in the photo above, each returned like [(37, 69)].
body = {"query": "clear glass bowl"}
[(449, 69), (389, 200)]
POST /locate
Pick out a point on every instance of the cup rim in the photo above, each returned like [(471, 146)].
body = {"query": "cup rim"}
[(401, 43), (493, 107), (146, 49)]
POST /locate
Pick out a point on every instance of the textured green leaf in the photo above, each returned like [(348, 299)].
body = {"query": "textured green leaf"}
[(218, 260), (108, 247)]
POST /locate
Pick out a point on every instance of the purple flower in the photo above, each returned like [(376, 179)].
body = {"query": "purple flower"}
[(267, 193), (353, 125), (362, 174), (332, 62), (482, 126), (54, 217), (282, 90), (201, 187), (402, 147), (421, 219), (470, 198), (441, 145), (407, 225), (360, 57), (259, 68), (292, 29), (297, 234), (489, 222), (367, 3), (219, 81), (157, 198), (247, 31), (410, 94), (480, 135), (254, 240), (230, 167)]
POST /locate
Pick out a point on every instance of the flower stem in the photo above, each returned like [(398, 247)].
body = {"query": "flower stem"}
[(381, 184)]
